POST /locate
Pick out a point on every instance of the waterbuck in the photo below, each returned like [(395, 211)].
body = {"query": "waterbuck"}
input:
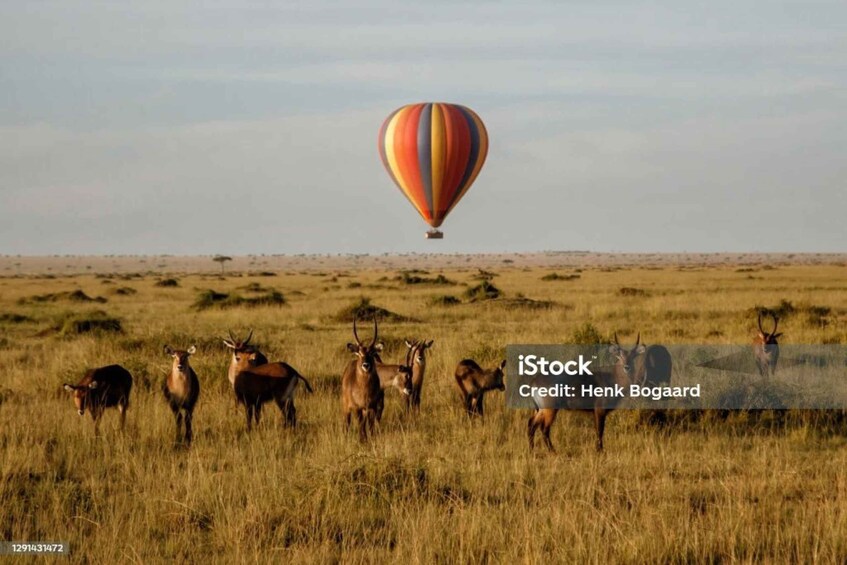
[(272, 381), (418, 364), (181, 389), (766, 348), (393, 376), (474, 382), (102, 388), (624, 372), (246, 356), (361, 393)]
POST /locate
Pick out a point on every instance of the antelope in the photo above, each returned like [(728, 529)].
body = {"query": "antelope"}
[(474, 382), (418, 364), (181, 390), (102, 388), (361, 393), (393, 376), (766, 348), (244, 358), (626, 371), (272, 381)]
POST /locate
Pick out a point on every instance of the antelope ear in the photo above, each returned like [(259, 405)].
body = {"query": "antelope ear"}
[(192, 350), (503, 365), (352, 348), (93, 385), (429, 343), (641, 349), (168, 350), (777, 335), (614, 349), (68, 387), (409, 344), (379, 346)]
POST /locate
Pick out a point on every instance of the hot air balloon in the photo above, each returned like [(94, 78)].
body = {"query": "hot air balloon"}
[(433, 153)]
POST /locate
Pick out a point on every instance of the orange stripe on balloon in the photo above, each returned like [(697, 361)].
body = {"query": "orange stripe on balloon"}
[(406, 148)]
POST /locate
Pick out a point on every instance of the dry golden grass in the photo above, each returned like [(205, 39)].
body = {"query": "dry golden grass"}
[(436, 488)]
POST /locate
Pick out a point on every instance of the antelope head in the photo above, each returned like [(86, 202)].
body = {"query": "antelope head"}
[(80, 395), (180, 358), (625, 360), (768, 338), (366, 355)]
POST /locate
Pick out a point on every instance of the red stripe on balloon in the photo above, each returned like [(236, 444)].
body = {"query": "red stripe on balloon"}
[(458, 148)]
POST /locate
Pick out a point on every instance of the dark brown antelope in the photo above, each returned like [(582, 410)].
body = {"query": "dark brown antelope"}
[(418, 363), (766, 348), (393, 376), (474, 382), (624, 373), (245, 356), (263, 383), (102, 388), (181, 390), (361, 393)]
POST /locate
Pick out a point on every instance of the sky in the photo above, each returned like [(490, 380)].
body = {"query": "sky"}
[(230, 127)]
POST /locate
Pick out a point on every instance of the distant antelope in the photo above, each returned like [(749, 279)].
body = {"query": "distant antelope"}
[(624, 373), (272, 381), (181, 390), (102, 388), (418, 364), (361, 393), (393, 376), (766, 348), (474, 382)]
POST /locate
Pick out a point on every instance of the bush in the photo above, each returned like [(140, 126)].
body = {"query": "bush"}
[(444, 300), (558, 277), (213, 299), (482, 291), (587, 334), (167, 283), (94, 321), (366, 310)]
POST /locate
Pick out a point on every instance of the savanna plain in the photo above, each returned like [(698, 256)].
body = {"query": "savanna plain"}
[(434, 487)]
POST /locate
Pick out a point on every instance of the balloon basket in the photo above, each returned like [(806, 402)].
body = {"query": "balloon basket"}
[(434, 234)]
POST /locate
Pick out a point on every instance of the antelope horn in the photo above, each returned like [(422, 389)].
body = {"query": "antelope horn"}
[(355, 333), (760, 322), (376, 331), (775, 323), (616, 339), (638, 339), (249, 336)]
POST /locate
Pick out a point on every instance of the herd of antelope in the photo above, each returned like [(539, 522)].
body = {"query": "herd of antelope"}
[(255, 381)]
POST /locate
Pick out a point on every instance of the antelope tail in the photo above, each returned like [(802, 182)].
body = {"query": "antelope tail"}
[(308, 386)]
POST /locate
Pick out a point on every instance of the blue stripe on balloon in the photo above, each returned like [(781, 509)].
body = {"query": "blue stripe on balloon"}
[(474, 153), (425, 152)]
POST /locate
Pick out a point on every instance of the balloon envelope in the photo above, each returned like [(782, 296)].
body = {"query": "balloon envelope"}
[(433, 152)]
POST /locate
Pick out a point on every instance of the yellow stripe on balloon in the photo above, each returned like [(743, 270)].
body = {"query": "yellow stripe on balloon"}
[(438, 148)]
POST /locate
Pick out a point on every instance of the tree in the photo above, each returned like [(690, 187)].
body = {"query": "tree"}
[(221, 259)]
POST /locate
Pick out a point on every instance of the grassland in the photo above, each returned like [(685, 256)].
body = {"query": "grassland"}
[(432, 489)]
